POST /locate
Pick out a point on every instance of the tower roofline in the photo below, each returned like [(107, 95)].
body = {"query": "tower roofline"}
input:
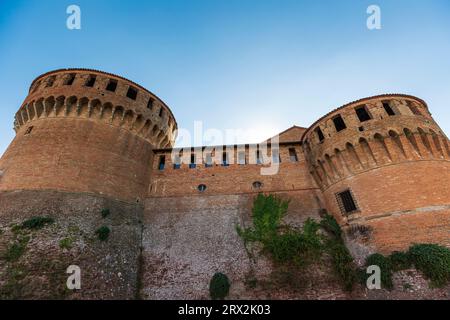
[(106, 74), (386, 95)]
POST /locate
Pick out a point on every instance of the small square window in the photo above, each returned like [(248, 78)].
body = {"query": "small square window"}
[(70, 78), (90, 81), (132, 93), (112, 85), (387, 107), (363, 114), (339, 123), (293, 155)]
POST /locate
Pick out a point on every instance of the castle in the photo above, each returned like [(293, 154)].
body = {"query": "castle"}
[(86, 140)]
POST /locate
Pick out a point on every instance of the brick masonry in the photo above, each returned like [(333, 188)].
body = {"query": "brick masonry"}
[(79, 137)]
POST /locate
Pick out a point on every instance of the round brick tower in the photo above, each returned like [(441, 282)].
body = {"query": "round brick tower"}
[(83, 130), (383, 162), (82, 156)]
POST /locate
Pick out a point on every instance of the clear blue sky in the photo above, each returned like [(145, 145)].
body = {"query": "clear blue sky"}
[(258, 64)]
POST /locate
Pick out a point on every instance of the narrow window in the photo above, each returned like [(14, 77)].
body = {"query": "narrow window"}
[(28, 131), (150, 103), (346, 202), (388, 109), (293, 155), (258, 157), (201, 187), (192, 165), (339, 123), (276, 156), (208, 160), (414, 109), (363, 114), (176, 162), (241, 157), (225, 159), (69, 79), (90, 81), (161, 112), (319, 134), (132, 93), (112, 85), (50, 81), (162, 162)]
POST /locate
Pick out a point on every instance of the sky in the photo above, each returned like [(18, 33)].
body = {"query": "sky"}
[(256, 65)]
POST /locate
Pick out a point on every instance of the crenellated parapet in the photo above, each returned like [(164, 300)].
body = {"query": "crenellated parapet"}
[(99, 96), (372, 133)]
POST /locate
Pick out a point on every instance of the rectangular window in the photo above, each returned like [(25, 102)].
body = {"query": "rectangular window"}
[(293, 155), (50, 81), (258, 157), (276, 156), (241, 157), (112, 85), (363, 114), (346, 202), (150, 103), (320, 134), (192, 165), (132, 93), (69, 79), (208, 160), (90, 81), (161, 112), (339, 123), (388, 109), (225, 159), (162, 162)]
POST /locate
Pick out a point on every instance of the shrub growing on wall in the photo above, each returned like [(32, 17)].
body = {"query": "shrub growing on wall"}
[(433, 260)]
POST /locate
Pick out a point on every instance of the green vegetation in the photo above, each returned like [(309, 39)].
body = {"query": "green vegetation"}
[(400, 260), (16, 249), (105, 212), (219, 286), (433, 260), (103, 233), (385, 267), (66, 243), (35, 223), (301, 247)]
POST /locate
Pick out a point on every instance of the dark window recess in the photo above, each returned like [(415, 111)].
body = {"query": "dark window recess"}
[(161, 112), (241, 157), (132, 93), (293, 155), (415, 110), (192, 165), (388, 109), (50, 81), (276, 156), (320, 134), (201, 187), (258, 157), (339, 123), (363, 114), (112, 85), (69, 79), (257, 185), (162, 162), (346, 202), (176, 165), (208, 160), (90, 81), (361, 128), (225, 159), (28, 131), (150, 103)]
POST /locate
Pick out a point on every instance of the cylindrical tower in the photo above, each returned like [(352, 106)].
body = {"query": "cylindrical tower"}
[(83, 130), (383, 162)]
